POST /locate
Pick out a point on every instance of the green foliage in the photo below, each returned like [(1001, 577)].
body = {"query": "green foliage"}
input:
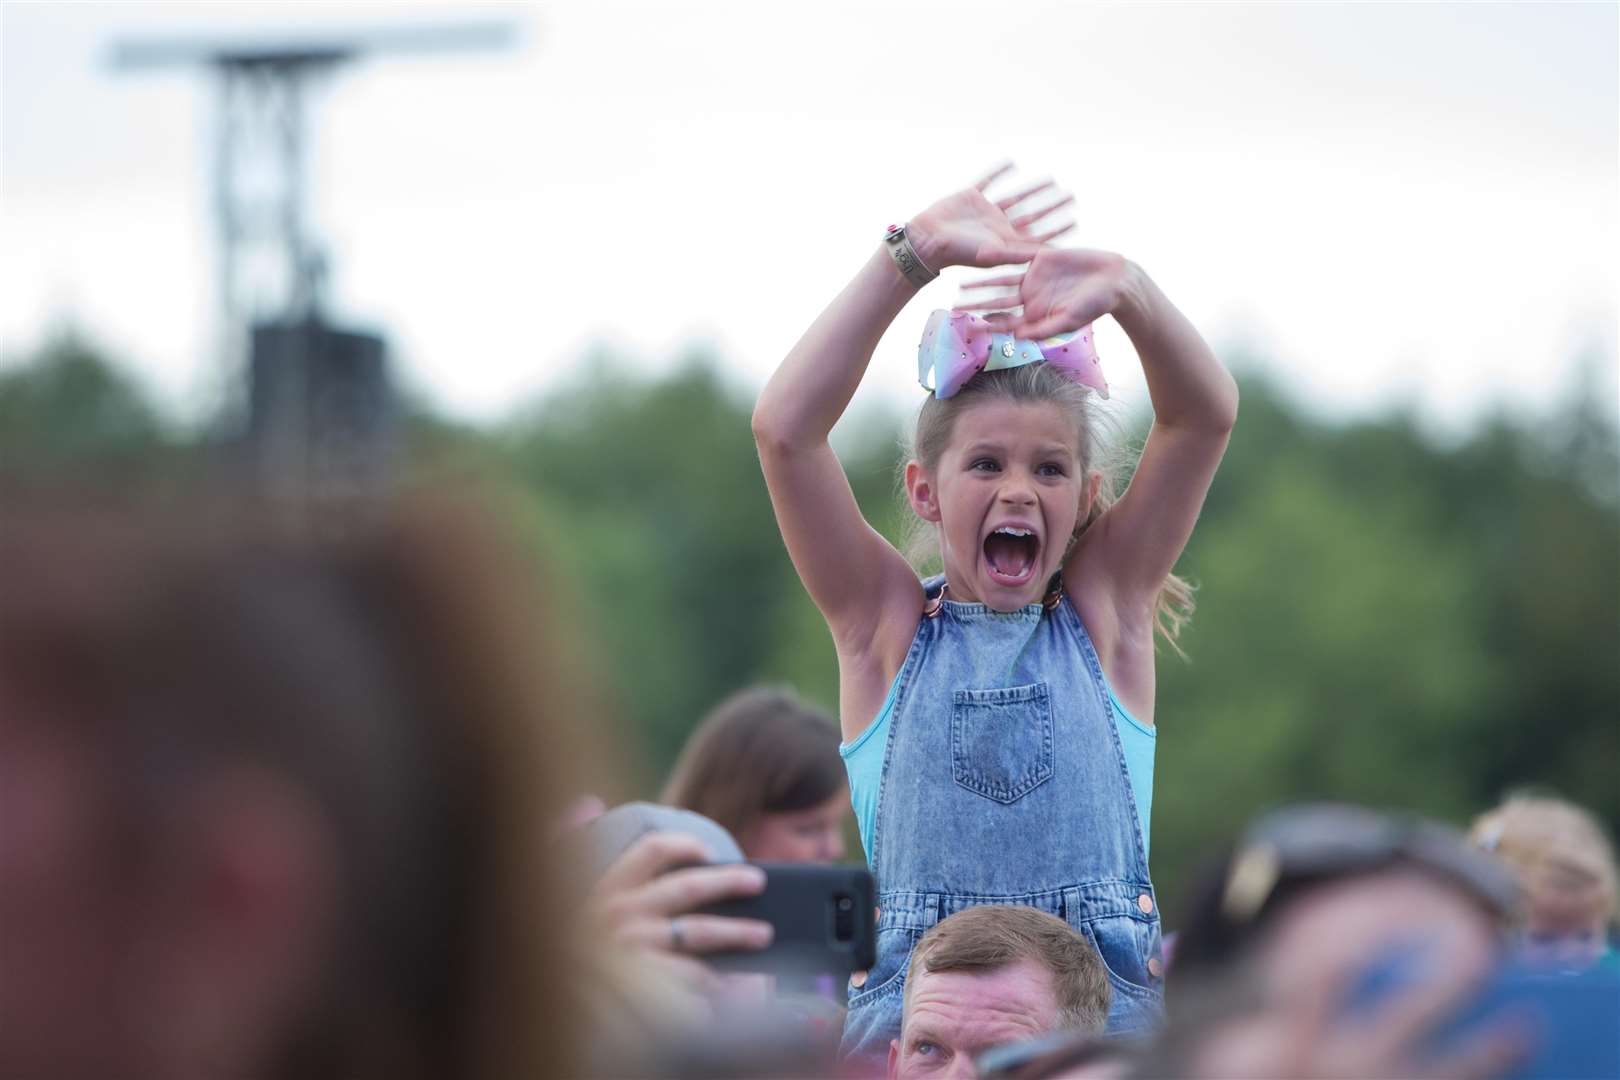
[(65, 405), (1385, 621), (1381, 618), (657, 505)]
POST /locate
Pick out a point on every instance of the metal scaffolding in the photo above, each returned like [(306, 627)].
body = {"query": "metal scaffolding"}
[(320, 414)]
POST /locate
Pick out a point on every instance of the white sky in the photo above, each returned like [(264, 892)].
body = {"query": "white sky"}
[(1397, 204)]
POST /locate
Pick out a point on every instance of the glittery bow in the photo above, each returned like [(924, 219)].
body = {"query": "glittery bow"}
[(957, 346)]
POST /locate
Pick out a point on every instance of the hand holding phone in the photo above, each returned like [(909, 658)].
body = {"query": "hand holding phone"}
[(652, 896), (822, 921)]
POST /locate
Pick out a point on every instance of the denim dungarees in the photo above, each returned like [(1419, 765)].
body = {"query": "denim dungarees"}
[(1003, 782)]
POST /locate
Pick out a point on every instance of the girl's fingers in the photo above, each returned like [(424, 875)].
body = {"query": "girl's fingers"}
[(1012, 280), (995, 303), (1008, 254), (1048, 237), (1037, 329), (1024, 222), (1013, 200), (995, 174)]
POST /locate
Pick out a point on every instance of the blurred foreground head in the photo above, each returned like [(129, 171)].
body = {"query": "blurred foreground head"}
[(271, 807), (1322, 912), (1324, 885)]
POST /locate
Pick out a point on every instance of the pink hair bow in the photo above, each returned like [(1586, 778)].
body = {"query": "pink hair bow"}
[(957, 346)]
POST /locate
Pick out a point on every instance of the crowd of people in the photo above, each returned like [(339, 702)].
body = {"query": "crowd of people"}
[(276, 803)]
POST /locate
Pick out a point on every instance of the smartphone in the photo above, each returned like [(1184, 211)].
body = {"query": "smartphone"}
[(1573, 1020), (824, 919)]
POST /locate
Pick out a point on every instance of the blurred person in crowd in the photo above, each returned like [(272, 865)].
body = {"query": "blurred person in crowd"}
[(1332, 941), (271, 807), (1566, 867), (764, 765), (991, 975), (1010, 697)]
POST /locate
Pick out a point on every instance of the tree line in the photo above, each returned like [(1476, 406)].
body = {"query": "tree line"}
[(1382, 616)]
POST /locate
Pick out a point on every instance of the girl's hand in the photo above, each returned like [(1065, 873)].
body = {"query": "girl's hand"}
[(1060, 292), (967, 229)]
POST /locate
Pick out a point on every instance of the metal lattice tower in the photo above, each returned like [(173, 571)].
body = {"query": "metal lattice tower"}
[(270, 266), (320, 409)]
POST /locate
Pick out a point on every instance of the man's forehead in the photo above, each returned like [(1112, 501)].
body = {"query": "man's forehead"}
[(1019, 997)]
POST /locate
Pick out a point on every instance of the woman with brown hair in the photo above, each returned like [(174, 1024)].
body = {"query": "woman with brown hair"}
[(765, 765)]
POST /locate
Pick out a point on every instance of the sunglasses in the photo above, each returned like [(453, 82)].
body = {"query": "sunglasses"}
[(1324, 842)]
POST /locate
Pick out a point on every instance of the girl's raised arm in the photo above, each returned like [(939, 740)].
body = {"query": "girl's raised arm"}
[(854, 576)]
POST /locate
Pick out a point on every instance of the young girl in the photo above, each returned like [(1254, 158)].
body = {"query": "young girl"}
[(978, 708), (1566, 867)]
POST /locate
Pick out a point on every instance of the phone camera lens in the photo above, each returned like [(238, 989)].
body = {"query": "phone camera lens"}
[(844, 918)]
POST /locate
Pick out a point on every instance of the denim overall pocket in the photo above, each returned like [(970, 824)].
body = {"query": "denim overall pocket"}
[(888, 973), (1124, 944), (1001, 740)]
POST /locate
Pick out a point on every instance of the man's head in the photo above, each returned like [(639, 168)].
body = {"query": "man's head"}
[(992, 975)]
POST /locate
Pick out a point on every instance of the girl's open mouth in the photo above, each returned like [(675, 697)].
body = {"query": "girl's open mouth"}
[(1010, 554)]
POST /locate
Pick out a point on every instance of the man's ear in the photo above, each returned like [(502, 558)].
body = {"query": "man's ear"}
[(894, 1058), (920, 492)]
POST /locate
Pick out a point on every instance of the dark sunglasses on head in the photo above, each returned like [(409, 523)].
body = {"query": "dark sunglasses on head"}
[(1313, 844)]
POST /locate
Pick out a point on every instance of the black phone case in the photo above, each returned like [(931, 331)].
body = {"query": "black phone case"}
[(824, 918)]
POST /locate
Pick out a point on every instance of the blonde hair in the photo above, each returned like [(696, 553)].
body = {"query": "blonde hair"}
[(1554, 846), (1040, 383)]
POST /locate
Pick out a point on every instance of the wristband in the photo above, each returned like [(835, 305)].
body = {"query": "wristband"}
[(905, 256)]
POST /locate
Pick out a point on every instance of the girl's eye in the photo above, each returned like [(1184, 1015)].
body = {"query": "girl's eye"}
[(1051, 468), (985, 464)]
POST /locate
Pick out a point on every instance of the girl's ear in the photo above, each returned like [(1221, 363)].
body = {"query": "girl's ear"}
[(920, 492), (1088, 496)]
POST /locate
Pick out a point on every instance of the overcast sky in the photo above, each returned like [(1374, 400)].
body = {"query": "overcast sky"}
[(1413, 205)]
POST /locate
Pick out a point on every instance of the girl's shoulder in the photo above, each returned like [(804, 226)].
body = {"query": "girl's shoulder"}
[(867, 669), (1123, 640)]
